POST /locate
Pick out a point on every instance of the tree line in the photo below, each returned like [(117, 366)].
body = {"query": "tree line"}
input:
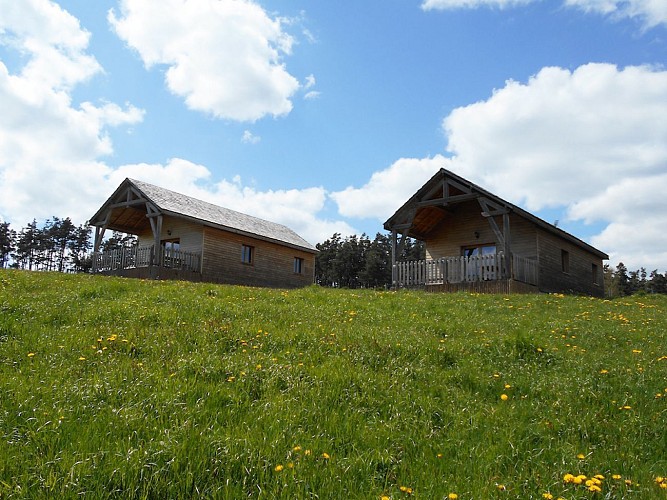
[(620, 282), (359, 262), (346, 262), (56, 245)]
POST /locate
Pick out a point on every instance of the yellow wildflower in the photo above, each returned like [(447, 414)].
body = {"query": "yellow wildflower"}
[(326, 456), (452, 496), (547, 495), (616, 476), (31, 354), (504, 397), (278, 468)]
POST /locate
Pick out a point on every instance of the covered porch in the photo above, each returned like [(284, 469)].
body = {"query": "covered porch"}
[(129, 211), (125, 259), (468, 240)]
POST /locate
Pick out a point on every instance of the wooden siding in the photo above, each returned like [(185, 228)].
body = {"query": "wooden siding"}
[(273, 264), (579, 278), (458, 229), (189, 234)]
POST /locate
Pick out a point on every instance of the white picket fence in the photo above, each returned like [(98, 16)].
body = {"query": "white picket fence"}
[(489, 267)]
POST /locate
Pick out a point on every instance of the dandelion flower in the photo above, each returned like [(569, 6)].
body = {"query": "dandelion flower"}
[(501, 487), (326, 456), (547, 495), (385, 497), (296, 448), (504, 397), (594, 488), (278, 468), (31, 354), (81, 358), (452, 496), (581, 456), (616, 476)]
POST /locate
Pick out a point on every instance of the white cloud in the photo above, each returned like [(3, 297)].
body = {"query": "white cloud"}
[(637, 208), (223, 57), (49, 149), (650, 12), (387, 189), (470, 4), (250, 138), (592, 140)]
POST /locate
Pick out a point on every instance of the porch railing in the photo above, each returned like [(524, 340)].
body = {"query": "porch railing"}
[(463, 269), (131, 258)]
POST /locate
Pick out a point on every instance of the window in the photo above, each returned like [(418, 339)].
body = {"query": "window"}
[(479, 250), (170, 254), (247, 254), (298, 265), (594, 269), (480, 268), (565, 261), (171, 246)]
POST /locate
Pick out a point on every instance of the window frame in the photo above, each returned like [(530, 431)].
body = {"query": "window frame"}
[(247, 255), (299, 265), (479, 248), (565, 261)]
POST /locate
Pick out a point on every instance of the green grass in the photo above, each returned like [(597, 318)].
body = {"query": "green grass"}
[(134, 389)]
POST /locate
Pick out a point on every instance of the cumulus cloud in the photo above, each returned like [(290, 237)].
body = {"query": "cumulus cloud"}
[(650, 12), (225, 58), (49, 148), (378, 198), (591, 142)]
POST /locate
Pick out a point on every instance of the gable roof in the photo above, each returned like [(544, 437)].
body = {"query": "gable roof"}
[(445, 188), (126, 211)]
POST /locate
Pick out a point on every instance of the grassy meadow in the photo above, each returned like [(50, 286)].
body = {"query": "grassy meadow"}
[(116, 388)]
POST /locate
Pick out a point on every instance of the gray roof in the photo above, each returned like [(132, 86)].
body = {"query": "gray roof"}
[(178, 204)]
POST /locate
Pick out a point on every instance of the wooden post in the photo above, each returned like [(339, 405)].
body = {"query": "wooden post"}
[(507, 245), (393, 259)]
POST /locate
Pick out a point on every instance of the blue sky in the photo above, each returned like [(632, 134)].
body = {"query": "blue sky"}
[(327, 116)]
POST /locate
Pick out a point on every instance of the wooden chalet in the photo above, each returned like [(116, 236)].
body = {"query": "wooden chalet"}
[(185, 238), (479, 242)]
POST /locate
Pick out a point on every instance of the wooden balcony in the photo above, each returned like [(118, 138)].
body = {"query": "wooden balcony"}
[(462, 271), (145, 262)]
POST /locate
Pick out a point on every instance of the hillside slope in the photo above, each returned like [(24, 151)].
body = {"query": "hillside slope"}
[(127, 388)]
